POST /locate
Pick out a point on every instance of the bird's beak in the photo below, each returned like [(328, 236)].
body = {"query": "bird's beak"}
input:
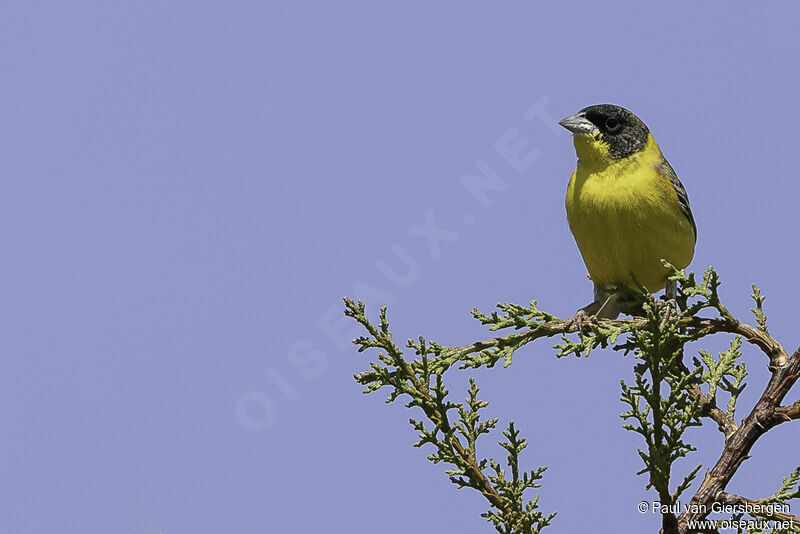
[(578, 124)]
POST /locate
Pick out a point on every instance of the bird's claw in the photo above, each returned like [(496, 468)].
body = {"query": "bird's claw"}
[(670, 309), (580, 320)]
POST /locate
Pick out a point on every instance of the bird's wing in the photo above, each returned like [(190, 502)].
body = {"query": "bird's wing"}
[(665, 169)]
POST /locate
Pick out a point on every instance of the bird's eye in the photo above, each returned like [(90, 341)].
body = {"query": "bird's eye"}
[(612, 125)]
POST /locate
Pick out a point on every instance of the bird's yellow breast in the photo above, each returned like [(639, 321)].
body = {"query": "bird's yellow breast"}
[(626, 217)]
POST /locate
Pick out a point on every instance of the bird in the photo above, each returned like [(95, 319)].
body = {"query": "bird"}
[(626, 208)]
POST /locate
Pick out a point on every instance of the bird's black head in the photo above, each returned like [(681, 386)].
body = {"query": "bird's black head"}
[(621, 131)]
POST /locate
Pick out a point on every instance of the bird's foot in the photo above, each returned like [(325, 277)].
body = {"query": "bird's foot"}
[(583, 317), (670, 310)]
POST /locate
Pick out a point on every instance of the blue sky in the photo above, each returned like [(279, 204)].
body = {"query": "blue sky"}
[(189, 190)]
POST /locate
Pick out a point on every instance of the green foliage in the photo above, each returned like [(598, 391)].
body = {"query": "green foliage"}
[(725, 374), (665, 399), (508, 519), (758, 311), (790, 489), (661, 406), (513, 316), (454, 439)]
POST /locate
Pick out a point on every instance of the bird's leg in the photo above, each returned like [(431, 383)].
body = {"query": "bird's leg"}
[(589, 312), (605, 306), (671, 292), (670, 311), (610, 309), (670, 303)]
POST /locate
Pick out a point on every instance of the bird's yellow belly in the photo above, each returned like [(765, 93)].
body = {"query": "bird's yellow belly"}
[(625, 225)]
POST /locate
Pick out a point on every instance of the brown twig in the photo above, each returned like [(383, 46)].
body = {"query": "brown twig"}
[(545, 330), (474, 472), (789, 412), (768, 344), (472, 469), (767, 413), (708, 408), (705, 326)]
